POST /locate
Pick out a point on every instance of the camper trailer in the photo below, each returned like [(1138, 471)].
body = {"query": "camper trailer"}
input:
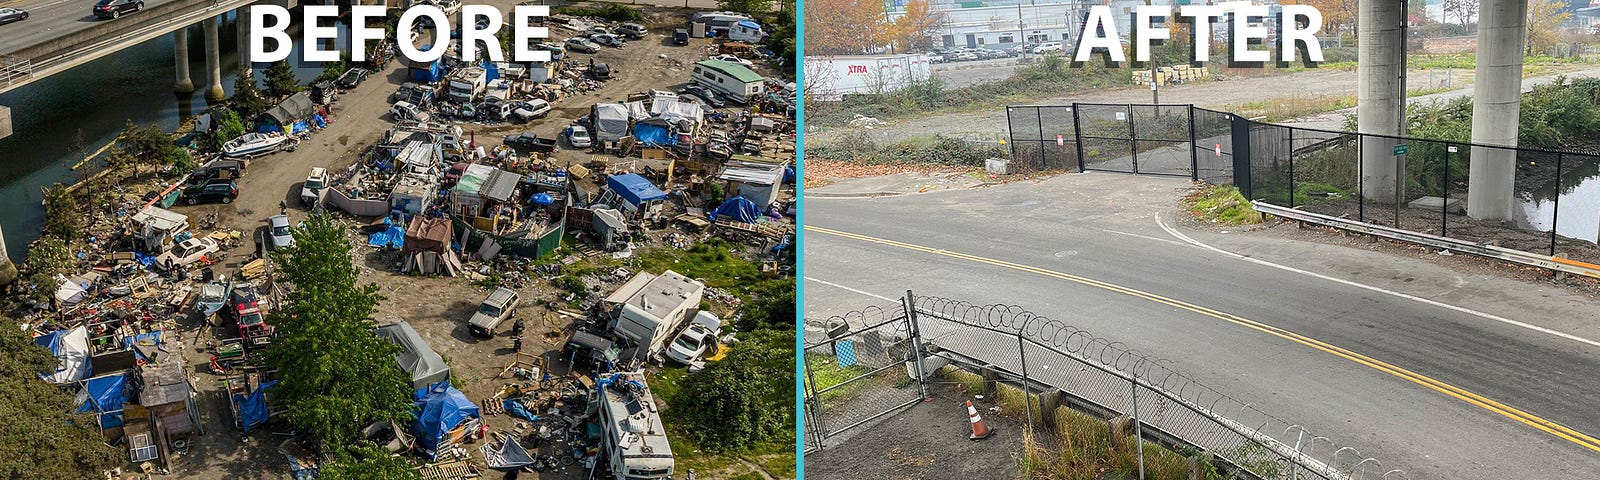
[(734, 81), (636, 445), (649, 309)]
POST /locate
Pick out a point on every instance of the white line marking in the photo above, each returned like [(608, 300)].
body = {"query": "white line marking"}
[(842, 287), (1146, 237), (1465, 310)]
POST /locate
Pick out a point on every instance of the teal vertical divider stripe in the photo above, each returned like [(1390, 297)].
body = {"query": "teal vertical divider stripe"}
[(800, 239)]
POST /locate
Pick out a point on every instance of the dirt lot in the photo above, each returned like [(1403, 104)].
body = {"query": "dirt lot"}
[(927, 440), (436, 307)]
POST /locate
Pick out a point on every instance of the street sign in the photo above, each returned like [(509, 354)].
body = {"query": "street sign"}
[(1061, 142), (1401, 149)]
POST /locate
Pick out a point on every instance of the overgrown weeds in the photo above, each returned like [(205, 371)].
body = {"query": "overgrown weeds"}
[(857, 146), (1221, 204)]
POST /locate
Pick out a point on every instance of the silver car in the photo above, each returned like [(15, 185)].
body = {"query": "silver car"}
[(278, 228)]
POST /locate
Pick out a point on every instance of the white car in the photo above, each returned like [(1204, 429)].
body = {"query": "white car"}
[(1047, 47), (695, 339), (733, 59), (187, 252), (278, 229), (578, 137)]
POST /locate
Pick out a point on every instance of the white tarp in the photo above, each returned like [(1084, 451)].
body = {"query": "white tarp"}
[(610, 122), (69, 293), (637, 111), (73, 349), (683, 110)]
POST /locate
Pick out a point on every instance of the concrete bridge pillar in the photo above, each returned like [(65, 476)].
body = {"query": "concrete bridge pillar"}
[(213, 60), (243, 35), (1496, 107), (1381, 94), (180, 60)]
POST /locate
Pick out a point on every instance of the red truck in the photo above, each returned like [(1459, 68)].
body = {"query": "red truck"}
[(246, 311)]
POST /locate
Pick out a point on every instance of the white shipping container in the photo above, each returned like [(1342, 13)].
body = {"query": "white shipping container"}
[(830, 78)]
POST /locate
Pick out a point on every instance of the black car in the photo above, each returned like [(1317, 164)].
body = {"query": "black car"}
[(353, 77), (530, 141), (705, 94), (116, 8), (219, 169), (218, 190), (8, 15), (680, 37)]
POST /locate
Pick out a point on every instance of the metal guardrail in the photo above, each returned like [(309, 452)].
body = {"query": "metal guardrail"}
[(14, 70), (1552, 263)]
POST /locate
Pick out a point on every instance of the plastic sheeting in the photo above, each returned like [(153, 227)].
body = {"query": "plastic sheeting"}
[(392, 237), (542, 198), (153, 338), (105, 396), (652, 135), (610, 121), (253, 409), (738, 209), (634, 188), (72, 348), (440, 408), (515, 408), (416, 357)]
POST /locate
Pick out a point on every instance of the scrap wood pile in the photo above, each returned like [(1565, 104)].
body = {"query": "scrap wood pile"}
[(549, 433)]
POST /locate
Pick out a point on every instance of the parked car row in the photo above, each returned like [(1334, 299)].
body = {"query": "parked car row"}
[(963, 54)]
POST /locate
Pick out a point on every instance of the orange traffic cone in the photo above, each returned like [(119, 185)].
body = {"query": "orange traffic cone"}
[(980, 431)]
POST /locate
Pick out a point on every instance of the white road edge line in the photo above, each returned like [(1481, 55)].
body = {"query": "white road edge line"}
[(1147, 237), (1435, 303), (842, 287)]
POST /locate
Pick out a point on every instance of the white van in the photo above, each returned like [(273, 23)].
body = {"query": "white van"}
[(1047, 47)]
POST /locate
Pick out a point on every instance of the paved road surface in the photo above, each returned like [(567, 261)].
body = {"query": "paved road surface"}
[(1103, 227), (50, 19)]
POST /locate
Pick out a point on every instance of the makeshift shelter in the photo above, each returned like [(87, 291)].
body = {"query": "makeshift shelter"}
[(608, 224), (636, 194), (104, 395), (610, 121), (71, 291), (444, 415), (427, 247), (652, 133), (738, 209), (253, 408), (392, 236), (156, 227), (752, 178), (416, 357), (165, 396), (72, 348), (283, 116)]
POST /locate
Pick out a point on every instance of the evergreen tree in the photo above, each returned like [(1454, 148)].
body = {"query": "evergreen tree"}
[(38, 438), (281, 81), (248, 101)]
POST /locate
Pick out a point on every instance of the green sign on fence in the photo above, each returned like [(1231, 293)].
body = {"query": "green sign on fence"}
[(1400, 149)]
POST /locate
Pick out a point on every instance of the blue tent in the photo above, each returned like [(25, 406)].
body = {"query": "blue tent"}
[(299, 126), (738, 209), (51, 341), (105, 396), (253, 409), (634, 188), (393, 237), (652, 135), (542, 198), (440, 408), (433, 74)]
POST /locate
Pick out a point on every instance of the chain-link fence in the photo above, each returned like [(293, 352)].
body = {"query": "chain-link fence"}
[(1548, 201), (1055, 368)]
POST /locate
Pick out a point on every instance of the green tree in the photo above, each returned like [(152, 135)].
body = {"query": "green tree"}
[(772, 308), (228, 125), (47, 257), (337, 375), (333, 70), (62, 218), (781, 41), (248, 101), (139, 146), (366, 462), (745, 399), (281, 81), (38, 439), (753, 7)]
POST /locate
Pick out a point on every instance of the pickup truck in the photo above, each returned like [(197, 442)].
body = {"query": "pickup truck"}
[(531, 141)]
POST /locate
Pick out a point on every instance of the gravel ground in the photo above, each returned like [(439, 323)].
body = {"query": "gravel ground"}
[(927, 440)]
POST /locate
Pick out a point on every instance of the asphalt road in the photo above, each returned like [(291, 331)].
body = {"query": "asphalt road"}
[(1035, 244), (48, 19)]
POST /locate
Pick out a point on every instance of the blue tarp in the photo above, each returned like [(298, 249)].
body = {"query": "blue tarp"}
[(319, 121), (440, 408), (788, 174), (491, 72), (393, 237), (269, 127), (516, 409), (542, 198), (738, 209), (433, 74), (652, 135), (51, 341), (104, 395), (750, 24), (127, 342), (253, 409), (634, 188), (299, 126)]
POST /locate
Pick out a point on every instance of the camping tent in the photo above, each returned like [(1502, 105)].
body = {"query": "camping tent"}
[(415, 357), (72, 348), (105, 395), (610, 121), (70, 292), (635, 189), (440, 409), (738, 209), (296, 107)]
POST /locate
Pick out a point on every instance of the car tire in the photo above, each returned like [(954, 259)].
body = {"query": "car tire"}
[(227, 200), (115, 14), (190, 201), (138, 7)]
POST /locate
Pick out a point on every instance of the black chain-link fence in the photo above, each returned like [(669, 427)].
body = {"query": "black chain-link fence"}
[(1413, 184)]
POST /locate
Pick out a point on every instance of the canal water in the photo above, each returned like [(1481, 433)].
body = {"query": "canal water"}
[(59, 117)]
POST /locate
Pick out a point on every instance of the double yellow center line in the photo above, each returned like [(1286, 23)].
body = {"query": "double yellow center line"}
[(1526, 418)]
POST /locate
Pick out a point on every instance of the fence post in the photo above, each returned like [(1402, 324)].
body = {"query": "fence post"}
[(1241, 156), (1194, 154), (1013, 134), (916, 343), (1361, 182), (1027, 402), (1138, 430), (1291, 167), (1133, 138), (1038, 114), (1077, 136), (815, 407), (1444, 200), (1555, 215)]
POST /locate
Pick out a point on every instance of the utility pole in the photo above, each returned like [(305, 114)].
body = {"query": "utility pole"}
[(1155, 96), (1022, 34)]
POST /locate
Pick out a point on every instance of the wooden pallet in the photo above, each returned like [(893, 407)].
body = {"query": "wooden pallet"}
[(449, 471)]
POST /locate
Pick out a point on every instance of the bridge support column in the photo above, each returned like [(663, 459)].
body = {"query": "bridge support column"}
[(180, 60), (1496, 107), (242, 25), (1381, 94), (213, 60)]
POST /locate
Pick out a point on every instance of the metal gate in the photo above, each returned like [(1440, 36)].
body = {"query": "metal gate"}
[(1127, 138), (856, 371)]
